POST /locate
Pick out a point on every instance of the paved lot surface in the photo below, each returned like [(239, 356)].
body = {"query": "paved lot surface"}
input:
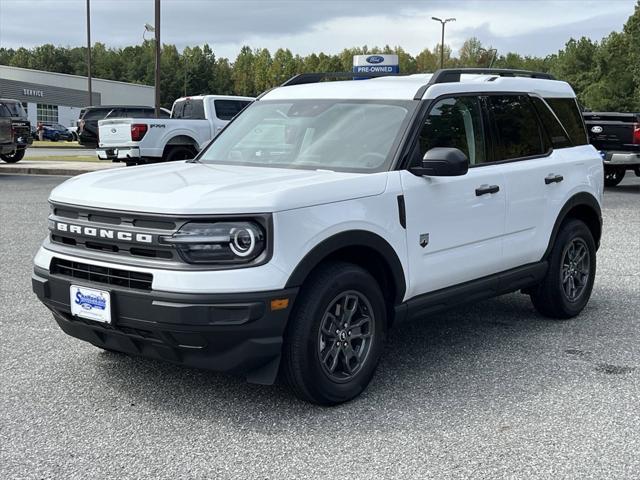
[(55, 167), (43, 152), (485, 391)]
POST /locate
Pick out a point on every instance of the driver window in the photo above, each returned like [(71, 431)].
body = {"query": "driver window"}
[(455, 123)]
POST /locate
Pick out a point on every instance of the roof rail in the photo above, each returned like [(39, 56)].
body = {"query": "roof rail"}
[(316, 77), (448, 75)]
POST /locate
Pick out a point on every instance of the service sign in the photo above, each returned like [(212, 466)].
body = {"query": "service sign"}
[(376, 63)]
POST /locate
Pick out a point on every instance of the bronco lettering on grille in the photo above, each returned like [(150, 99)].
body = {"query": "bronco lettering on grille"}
[(104, 233)]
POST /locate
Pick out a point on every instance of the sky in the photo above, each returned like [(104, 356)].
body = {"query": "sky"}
[(304, 26)]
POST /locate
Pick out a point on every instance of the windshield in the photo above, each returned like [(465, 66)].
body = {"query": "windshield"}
[(16, 109), (341, 135)]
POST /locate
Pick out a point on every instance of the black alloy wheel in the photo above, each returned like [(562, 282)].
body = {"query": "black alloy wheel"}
[(345, 336)]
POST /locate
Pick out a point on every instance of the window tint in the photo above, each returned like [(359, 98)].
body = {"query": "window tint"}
[(15, 108), (554, 130), (568, 113), (189, 109), (455, 123), (516, 127), (96, 113), (227, 109), (4, 111)]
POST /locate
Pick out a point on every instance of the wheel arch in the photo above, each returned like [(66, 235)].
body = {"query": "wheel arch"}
[(582, 206), (364, 248), (181, 140)]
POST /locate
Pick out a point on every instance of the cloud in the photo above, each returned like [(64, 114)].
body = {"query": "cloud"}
[(304, 26)]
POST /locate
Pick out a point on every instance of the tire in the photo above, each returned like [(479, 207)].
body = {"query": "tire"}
[(553, 298), (613, 176), (179, 153), (13, 157), (55, 138), (323, 294)]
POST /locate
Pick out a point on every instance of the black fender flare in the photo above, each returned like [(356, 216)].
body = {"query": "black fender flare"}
[(579, 199), (351, 238)]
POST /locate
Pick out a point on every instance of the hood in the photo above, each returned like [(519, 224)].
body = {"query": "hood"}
[(195, 188)]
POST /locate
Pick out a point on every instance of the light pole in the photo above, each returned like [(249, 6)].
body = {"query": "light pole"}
[(155, 29), (443, 22), (158, 46), (90, 102)]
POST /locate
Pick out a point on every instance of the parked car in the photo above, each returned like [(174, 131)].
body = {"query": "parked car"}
[(7, 145), (89, 117), (323, 215), (56, 132), (194, 122), (21, 130), (617, 137)]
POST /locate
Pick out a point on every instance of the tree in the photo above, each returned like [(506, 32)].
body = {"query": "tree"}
[(243, 72)]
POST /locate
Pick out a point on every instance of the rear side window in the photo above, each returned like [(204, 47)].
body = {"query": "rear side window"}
[(516, 127), (455, 123), (554, 130), (16, 110), (96, 113), (569, 114), (188, 109), (4, 111), (227, 109)]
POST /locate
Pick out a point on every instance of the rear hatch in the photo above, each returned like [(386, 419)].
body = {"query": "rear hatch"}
[(116, 132), (6, 135), (613, 131)]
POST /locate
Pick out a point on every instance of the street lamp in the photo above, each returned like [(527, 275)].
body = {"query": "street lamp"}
[(443, 22), (148, 28), (155, 29), (89, 53)]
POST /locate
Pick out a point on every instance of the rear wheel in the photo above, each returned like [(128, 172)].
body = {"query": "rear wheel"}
[(179, 153), (335, 336), (613, 176), (13, 157), (566, 288)]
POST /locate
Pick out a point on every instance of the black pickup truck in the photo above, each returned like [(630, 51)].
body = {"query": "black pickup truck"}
[(21, 130), (6, 132), (617, 137)]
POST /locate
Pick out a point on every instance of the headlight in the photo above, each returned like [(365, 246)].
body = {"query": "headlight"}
[(219, 242)]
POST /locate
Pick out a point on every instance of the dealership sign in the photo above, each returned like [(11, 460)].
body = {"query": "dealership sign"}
[(30, 92), (376, 63)]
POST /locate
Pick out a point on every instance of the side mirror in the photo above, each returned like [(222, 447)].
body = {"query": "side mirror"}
[(442, 162)]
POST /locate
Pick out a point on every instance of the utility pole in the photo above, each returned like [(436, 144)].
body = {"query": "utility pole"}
[(158, 46), (443, 22), (90, 102)]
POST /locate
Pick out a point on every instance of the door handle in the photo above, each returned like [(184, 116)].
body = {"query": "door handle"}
[(551, 178), (485, 189)]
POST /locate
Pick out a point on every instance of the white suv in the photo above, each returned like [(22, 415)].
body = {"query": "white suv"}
[(325, 213)]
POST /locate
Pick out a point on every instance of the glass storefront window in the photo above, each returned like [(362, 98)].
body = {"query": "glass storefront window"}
[(47, 113)]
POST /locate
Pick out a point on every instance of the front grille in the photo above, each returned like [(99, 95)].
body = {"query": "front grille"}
[(150, 225), (104, 275)]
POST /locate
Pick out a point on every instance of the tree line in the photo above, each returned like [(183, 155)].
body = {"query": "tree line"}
[(605, 74)]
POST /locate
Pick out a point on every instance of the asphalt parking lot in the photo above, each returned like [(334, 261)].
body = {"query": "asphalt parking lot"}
[(486, 391)]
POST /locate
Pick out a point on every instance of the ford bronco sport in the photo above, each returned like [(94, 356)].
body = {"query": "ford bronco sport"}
[(325, 213)]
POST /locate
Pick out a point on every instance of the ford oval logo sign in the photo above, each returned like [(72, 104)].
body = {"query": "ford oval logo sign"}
[(596, 129), (375, 59)]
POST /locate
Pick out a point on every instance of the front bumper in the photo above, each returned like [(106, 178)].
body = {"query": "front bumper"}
[(234, 333), (621, 158), (121, 153)]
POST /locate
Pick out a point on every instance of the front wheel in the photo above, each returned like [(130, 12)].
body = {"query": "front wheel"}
[(566, 288), (13, 157), (613, 176), (336, 335)]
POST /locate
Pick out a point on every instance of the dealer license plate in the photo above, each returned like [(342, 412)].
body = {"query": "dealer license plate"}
[(90, 303)]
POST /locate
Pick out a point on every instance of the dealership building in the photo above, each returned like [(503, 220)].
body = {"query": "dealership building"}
[(58, 97)]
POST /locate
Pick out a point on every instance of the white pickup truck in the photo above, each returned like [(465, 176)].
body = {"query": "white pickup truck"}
[(194, 122)]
